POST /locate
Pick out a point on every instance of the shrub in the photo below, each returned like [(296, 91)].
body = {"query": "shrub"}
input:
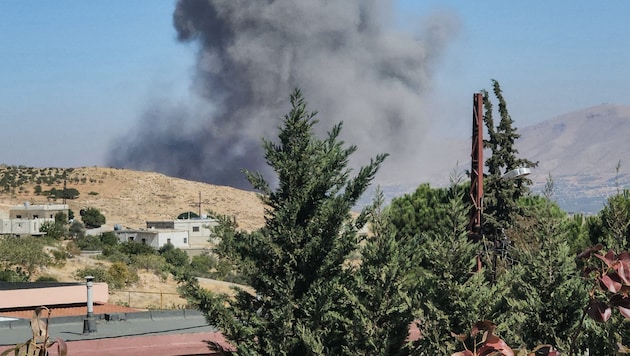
[(46, 278), (120, 275), (89, 243), (174, 256), (149, 262), (112, 254), (72, 249), (55, 230), (77, 229), (99, 274), (134, 248), (26, 253), (17, 275), (109, 238), (60, 257), (201, 265)]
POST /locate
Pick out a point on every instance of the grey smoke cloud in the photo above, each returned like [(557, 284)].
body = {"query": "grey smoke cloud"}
[(348, 58)]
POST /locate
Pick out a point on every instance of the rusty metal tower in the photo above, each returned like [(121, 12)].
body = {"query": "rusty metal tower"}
[(476, 168)]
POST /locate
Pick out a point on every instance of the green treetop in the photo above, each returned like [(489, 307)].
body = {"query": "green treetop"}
[(297, 262), (501, 195)]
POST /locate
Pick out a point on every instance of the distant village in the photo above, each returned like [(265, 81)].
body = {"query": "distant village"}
[(187, 231)]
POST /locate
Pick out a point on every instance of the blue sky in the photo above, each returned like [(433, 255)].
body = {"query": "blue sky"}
[(75, 74)]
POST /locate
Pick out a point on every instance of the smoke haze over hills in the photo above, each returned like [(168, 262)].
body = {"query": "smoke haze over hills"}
[(579, 150), (346, 56)]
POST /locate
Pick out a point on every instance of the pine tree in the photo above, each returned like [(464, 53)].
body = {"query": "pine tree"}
[(296, 263), (422, 211)]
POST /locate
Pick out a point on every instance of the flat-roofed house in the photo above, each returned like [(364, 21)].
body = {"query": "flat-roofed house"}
[(155, 238), (27, 219)]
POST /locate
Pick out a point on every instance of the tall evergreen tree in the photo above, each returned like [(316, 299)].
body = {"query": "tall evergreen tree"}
[(448, 297), (613, 227), (297, 262), (547, 294), (501, 195), (382, 296)]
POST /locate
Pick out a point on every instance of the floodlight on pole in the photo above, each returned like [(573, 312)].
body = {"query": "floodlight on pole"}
[(517, 173)]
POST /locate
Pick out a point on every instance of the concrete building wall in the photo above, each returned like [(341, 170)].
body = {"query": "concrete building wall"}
[(177, 238), (22, 226), (27, 219), (155, 238), (28, 211), (160, 225), (196, 227), (54, 295), (5, 226)]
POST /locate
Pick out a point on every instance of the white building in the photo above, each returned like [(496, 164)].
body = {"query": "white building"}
[(199, 229), (181, 233), (28, 219), (155, 238)]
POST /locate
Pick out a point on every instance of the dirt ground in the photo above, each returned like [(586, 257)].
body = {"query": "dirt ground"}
[(130, 198), (151, 292)]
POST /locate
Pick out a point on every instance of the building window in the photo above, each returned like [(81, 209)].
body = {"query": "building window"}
[(18, 216), (195, 228), (168, 241), (185, 240), (131, 238), (144, 241)]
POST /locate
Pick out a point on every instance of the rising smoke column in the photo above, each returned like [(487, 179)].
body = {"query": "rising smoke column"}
[(349, 61)]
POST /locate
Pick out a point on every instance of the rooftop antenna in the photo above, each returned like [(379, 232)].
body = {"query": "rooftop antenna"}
[(198, 205)]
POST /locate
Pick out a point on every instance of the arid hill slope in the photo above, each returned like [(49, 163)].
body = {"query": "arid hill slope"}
[(130, 198)]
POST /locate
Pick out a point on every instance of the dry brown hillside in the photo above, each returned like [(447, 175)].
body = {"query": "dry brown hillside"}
[(130, 198)]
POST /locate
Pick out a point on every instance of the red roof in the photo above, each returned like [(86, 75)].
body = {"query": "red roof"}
[(71, 311), (163, 345)]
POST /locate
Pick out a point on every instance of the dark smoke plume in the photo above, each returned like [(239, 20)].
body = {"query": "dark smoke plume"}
[(346, 56)]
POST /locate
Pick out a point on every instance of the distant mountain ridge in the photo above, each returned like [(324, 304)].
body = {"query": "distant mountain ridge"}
[(580, 150), (588, 141)]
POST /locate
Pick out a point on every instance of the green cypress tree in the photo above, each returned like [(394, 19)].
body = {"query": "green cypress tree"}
[(381, 294), (297, 262), (614, 222), (546, 295), (447, 295), (501, 195)]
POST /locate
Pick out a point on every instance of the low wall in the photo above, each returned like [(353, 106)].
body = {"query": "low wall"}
[(51, 295)]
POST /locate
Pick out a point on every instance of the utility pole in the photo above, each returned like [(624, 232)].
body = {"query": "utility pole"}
[(476, 169), (65, 180)]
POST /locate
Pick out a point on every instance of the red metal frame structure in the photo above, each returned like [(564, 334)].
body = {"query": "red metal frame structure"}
[(476, 170)]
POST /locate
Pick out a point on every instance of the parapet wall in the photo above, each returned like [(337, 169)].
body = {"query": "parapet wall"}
[(51, 295)]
